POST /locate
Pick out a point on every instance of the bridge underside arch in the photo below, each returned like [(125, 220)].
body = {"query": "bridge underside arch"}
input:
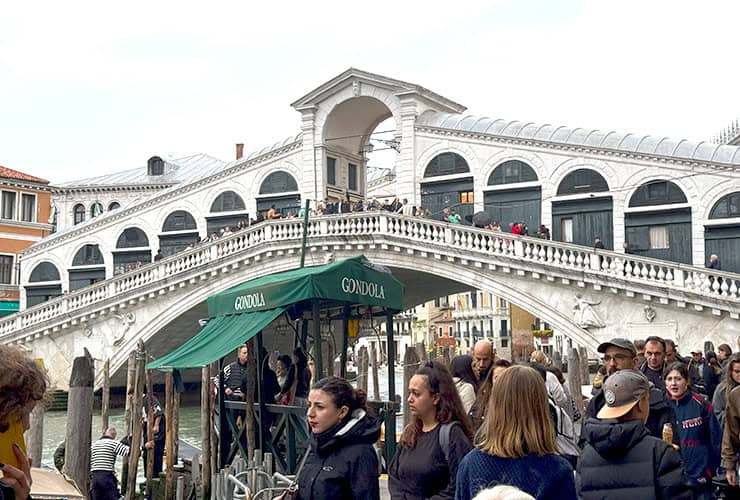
[(172, 325)]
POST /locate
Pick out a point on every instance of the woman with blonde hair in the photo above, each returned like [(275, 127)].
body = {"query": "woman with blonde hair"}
[(517, 443)]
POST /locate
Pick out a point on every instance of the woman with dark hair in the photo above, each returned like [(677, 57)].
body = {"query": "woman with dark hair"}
[(480, 407), (465, 381), (303, 377), (697, 432), (434, 443), (23, 384), (517, 444), (711, 373), (732, 380), (341, 461)]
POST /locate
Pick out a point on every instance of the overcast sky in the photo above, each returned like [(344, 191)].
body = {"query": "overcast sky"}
[(88, 88)]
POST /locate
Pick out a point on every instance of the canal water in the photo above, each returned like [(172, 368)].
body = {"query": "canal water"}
[(55, 422)]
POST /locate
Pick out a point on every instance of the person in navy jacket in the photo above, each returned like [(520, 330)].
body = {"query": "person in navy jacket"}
[(695, 430)]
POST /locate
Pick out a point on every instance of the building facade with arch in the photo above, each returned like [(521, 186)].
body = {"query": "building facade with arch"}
[(651, 196)]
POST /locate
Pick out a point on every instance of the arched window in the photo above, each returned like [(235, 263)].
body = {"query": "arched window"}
[(446, 164), (155, 166), (728, 206), (278, 182), (657, 192), (132, 237), (179, 220), (46, 271), (79, 212), (512, 171), (89, 255), (96, 209), (583, 180), (227, 202), (114, 206)]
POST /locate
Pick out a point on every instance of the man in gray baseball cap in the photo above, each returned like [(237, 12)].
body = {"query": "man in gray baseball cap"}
[(619, 449), (620, 354)]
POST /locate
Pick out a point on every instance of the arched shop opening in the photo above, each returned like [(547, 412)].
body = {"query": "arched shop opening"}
[(448, 183), (88, 267), (722, 232), (45, 283), (281, 190), (586, 214), (228, 209), (658, 222), (513, 195), (178, 231), (132, 250)]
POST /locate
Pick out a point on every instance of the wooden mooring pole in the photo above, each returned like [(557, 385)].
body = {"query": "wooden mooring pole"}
[(376, 381), (130, 389), (136, 421), (362, 363), (149, 466), (105, 405), (410, 365), (35, 435), (574, 378), (79, 421), (169, 440), (205, 430)]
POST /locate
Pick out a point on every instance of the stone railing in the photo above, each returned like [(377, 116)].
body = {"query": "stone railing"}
[(718, 289)]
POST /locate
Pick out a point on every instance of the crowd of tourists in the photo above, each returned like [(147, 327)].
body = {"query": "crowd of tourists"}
[(658, 425), (485, 428)]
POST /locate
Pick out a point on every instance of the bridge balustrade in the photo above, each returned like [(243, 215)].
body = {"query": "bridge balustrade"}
[(426, 234)]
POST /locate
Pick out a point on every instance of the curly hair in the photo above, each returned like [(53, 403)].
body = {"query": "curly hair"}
[(22, 380)]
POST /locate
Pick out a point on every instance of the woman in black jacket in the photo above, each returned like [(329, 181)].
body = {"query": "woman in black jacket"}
[(341, 462)]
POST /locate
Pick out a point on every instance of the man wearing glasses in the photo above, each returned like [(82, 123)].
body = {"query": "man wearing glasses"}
[(620, 354)]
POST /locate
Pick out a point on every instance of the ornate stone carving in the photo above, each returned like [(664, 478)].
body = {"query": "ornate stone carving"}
[(126, 319), (356, 88), (584, 314), (649, 313)]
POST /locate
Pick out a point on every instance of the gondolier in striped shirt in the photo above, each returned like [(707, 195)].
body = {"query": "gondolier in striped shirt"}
[(104, 484)]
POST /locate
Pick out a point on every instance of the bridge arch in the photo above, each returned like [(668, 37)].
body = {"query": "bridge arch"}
[(498, 283)]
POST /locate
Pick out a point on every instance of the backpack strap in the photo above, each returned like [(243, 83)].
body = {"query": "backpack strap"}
[(444, 438)]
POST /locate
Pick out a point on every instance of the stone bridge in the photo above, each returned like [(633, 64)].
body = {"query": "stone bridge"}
[(588, 295)]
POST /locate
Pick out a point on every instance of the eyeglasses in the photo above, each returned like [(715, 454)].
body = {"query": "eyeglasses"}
[(617, 357)]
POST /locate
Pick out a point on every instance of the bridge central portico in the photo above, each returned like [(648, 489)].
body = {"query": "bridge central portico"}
[(588, 295)]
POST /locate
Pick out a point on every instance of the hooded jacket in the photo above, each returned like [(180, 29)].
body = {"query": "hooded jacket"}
[(698, 434), (660, 412), (622, 460), (342, 463)]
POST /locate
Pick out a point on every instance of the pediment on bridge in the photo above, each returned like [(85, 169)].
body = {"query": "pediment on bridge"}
[(355, 78)]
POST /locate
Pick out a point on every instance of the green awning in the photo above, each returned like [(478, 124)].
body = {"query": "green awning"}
[(239, 313), (218, 338), (8, 308), (354, 281)]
